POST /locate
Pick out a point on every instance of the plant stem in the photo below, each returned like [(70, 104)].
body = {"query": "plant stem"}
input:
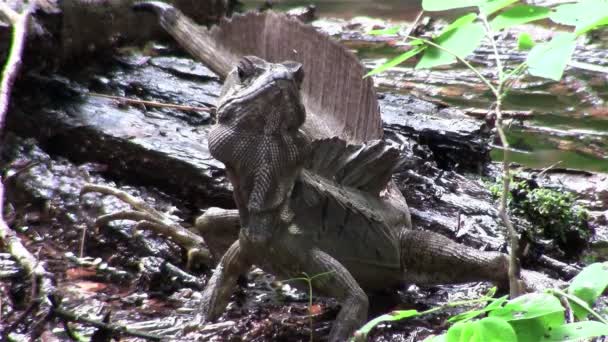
[(581, 303), (467, 64), (515, 286), (308, 281)]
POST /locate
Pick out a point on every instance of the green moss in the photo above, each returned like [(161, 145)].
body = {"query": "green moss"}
[(553, 213)]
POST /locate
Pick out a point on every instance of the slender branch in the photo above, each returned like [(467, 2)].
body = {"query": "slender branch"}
[(515, 285), (8, 14), (114, 328), (13, 64), (153, 103), (514, 270), (510, 78), (461, 60), (581, 303), (413, 25), (490, 34), (42, 286)]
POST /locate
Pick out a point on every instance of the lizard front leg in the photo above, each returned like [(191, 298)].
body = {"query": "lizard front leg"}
[(220, 228), (222, 282)]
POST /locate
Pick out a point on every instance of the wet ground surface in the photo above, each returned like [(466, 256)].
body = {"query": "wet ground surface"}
[(160, 155)]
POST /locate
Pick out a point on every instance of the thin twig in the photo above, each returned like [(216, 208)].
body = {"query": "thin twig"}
[(413, 25), (8, 14), (543, 171), (114, 328), (461, 60), (13, 63), (484, 20), (30, 308), (515, 285), (153, 103), (42, 285)]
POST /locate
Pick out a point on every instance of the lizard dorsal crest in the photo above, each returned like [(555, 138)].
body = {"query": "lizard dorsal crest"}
[(367, 167)]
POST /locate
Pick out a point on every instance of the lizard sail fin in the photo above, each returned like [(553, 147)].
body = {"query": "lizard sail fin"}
[(367, 167), (338, 100)]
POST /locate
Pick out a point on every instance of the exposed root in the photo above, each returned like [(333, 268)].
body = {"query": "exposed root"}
[(151, 219)]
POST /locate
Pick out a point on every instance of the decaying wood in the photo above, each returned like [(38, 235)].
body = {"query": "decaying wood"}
[(67, 30)]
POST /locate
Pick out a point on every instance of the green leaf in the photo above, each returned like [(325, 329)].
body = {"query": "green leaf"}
[(396, 61), (534, 328), (525, 41), (436, 338), (459, 22), (442, 5), (581, 14), (588, 285), (528, 306), (417, 42), (591, 25), (465, 316), (390, 317), (461, 42), (531, 315), (485, 330), (518, 15), (549, 60), (492, 6), (389, 31), (576, 331)]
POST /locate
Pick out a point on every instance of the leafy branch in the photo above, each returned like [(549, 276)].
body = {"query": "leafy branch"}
[(549, 59), (535, 316)]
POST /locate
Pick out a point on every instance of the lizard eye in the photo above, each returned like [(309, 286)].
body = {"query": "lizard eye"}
[(245, 69)]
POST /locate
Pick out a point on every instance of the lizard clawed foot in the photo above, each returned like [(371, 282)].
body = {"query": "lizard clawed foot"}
[(154, 220)]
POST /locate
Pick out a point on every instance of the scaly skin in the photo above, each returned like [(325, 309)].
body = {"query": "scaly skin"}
[(302, 211)]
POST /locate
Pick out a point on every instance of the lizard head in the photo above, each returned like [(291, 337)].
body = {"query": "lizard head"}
[(257, 134)]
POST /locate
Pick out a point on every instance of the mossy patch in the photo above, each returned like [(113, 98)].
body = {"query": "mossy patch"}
[(553, 213)]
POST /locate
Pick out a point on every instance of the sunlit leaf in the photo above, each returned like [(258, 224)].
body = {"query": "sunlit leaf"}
[(442, 5), (485, 330), (528, 306), (390, 317), (417, 42), (465, 316), (576, 331), (518, 15), (461, 42), (459, 22), (588, 285), (386, 31), (534, 328), (492, 6), (588, 67), (591, 25), (531, 315), (436, 338), (396, 61), (549, 60), (582, 14), (525, 41)]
